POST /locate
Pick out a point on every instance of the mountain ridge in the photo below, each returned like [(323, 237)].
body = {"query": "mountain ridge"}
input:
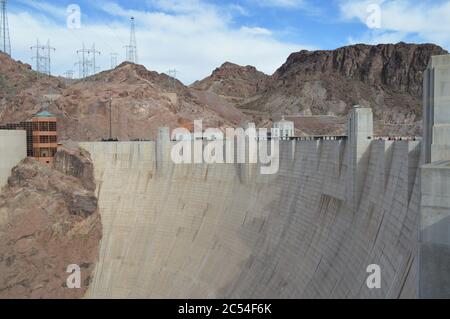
[(386, 77)]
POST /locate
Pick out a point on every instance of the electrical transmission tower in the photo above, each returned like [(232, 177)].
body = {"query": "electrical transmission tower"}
[(173, 78), (68, 74), (131, 49), (86, 61), (113, 60), (5, 45), (43, 57)]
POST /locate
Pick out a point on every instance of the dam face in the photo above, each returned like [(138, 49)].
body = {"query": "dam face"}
[(225, 231)]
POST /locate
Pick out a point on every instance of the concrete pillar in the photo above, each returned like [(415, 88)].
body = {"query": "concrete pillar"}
[(434, 251), (360, 136), (163, 148), (436, 109)]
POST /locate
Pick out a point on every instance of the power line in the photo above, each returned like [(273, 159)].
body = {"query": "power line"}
[(5, 45)]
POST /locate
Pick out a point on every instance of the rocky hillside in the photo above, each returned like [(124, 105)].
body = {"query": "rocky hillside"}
[(22, 90), (141, 102), (48, 220), (233, 82), (387, 78)]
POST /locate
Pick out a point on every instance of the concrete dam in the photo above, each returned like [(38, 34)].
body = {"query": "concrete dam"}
[(224, 231), (334, 208)]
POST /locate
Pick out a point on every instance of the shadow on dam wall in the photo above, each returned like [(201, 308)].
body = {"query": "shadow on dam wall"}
[(207, 231)]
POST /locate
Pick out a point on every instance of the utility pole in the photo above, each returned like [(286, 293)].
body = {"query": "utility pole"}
[(5, 45)]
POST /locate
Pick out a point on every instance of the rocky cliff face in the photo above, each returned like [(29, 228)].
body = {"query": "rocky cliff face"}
[(398, 66), (48, 221), (387, 78)]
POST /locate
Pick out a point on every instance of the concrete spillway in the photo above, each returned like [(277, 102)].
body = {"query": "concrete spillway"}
[(224, 230)]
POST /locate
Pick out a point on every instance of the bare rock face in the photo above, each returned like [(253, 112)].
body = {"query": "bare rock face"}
[(49, 220), (234, 82), (387, 78), (75, 162)]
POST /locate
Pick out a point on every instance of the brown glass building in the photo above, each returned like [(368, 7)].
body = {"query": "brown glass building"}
[(42, 136), (45, 137)]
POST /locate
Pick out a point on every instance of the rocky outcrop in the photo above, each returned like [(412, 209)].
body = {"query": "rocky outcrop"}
[(75, 162), (49, 220), (399, 66), (387, 78), (234, 82)]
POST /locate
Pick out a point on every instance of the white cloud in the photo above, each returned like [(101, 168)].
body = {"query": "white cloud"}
[(190, 36), (256, 31), (403, 18), (282, 3), (50, 9), (239, 9)]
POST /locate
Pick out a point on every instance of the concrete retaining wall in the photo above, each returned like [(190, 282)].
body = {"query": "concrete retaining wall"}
[(13, 149)]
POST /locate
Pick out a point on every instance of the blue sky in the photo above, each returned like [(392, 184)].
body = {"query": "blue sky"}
[(195, 36)]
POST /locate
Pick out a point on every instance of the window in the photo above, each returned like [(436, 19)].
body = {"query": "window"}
[(52, 126), (44, 139), (43, 126)]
